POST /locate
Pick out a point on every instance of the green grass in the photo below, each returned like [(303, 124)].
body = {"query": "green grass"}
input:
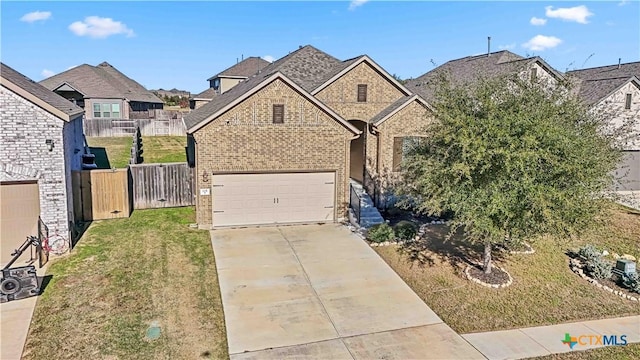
[(123, 275), (114, 152), (545, 291)]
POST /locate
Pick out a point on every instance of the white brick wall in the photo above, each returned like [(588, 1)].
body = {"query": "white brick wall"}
[(24, 154)]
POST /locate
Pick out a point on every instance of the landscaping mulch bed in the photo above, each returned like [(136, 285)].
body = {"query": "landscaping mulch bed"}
[(496, 276)]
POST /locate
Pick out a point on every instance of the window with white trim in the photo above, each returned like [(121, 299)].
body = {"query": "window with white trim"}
[(106, 110)]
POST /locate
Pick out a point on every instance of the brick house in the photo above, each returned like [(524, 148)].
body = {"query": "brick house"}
[(284, 145), (615, 90), (228, 78), (41, 142), (105, 92)]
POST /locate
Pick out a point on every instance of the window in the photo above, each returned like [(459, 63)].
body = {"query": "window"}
[(534, 74), (278, 114), (627, 102), (362, 93), (403, 146), (106, 110)]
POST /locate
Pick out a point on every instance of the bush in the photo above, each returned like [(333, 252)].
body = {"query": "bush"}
[(381, 233), (598, 268), (405, 230), (589, 252), (631, 282)]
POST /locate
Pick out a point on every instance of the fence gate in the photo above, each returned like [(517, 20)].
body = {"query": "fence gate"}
[(101, 194), (161, 185)]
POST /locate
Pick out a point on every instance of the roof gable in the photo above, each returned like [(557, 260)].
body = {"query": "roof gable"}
[(400, 104), (596, 84), (101, 81), (245, 68), (227, 101), (349, 65), (38, 94)]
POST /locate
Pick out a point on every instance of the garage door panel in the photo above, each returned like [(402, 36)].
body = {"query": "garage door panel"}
[(19, 211), (245, 199)]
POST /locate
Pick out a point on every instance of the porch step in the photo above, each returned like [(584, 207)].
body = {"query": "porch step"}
[(369, 214)]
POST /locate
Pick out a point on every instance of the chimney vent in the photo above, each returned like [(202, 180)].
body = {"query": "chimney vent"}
[(619, 61), (488, 46)]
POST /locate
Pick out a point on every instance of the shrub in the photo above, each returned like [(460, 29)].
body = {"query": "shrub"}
[(631, 282), (405, 230), (381, 233), (589, 252), (598, 268)]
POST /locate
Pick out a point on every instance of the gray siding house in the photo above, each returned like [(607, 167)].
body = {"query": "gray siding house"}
[(41, 142)]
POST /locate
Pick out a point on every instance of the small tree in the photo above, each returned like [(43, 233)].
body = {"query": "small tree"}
[(511, 159)]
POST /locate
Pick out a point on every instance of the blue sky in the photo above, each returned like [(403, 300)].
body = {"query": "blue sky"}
[(181, 44)]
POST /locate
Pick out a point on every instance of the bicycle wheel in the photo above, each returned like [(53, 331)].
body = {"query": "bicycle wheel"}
[(57, 244)]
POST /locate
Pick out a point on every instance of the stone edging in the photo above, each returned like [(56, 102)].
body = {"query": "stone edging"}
[(495, 286), (530, 250), (576, 266)]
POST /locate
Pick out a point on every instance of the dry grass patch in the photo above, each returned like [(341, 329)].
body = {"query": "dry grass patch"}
[(124, 275), (544, 290), (114, 152)]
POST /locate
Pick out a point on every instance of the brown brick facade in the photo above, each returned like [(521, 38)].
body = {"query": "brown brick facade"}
[(245, 139), (341, 95)]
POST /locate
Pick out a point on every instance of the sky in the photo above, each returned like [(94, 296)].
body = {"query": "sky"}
[(179, 44)]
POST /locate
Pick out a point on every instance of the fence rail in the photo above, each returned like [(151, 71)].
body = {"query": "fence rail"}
[(354, 202), (162, 185)]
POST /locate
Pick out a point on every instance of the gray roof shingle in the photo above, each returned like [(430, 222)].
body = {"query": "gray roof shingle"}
[(308, 67), (208, 94), (389, 109), (40, 91), (245, 68), (102, 81), (594, 84), (469, 69)]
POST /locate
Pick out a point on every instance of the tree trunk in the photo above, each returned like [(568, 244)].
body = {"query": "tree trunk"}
[(486, 261)]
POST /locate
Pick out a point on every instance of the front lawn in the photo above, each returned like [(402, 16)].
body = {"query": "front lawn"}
[(123, 276), (544, 291), (114, 152), (626, 352)]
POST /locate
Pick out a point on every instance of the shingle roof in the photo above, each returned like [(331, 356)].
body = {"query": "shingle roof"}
[(308, 67), (389, 109), (40, 91), (208, 94), (469, 69), (245, 68), (597, 83), (102, 81)]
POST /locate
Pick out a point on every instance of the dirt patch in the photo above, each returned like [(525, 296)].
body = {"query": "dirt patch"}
[(495, 277)]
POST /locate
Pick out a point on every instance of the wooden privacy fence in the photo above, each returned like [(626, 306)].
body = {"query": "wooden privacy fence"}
[(162, 185), (101, 194), (109, 194), (164, 123)]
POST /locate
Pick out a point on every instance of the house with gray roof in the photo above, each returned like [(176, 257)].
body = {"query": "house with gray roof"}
[(302, 140), (105, 92), (615, 91), (41, 143), (467, 70)]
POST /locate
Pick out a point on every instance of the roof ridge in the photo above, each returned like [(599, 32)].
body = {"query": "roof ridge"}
[(604, 66)]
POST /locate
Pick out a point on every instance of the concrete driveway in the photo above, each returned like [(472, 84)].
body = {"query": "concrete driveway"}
[(318, 291)]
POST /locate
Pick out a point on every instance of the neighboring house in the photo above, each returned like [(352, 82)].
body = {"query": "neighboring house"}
[(41, 142), (228, 78), (283, 145), (469, 69), (615, 91), (104, 92)]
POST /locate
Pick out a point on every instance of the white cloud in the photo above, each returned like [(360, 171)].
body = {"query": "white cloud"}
[(71, 67), (541, 43), (537, 21), (356, 3), (269, 58), (507, 47), (36, 16), (47, 73), (623, 2), (99, 28), (578, 14)]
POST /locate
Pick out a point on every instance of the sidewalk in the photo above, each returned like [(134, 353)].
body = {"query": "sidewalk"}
[(546, 340)]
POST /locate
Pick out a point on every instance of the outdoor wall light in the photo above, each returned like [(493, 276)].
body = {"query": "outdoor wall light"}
[(205, 176), (50, 143)]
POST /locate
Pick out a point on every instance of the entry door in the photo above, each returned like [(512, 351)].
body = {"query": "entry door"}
[(252, 199)]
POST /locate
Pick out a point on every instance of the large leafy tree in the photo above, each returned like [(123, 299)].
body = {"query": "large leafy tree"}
[(511, 159)]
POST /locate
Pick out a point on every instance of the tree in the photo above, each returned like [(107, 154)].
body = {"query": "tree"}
[(511, 159)]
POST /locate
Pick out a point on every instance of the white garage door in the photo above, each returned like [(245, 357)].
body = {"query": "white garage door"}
[(252, 199), (19, 211)]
